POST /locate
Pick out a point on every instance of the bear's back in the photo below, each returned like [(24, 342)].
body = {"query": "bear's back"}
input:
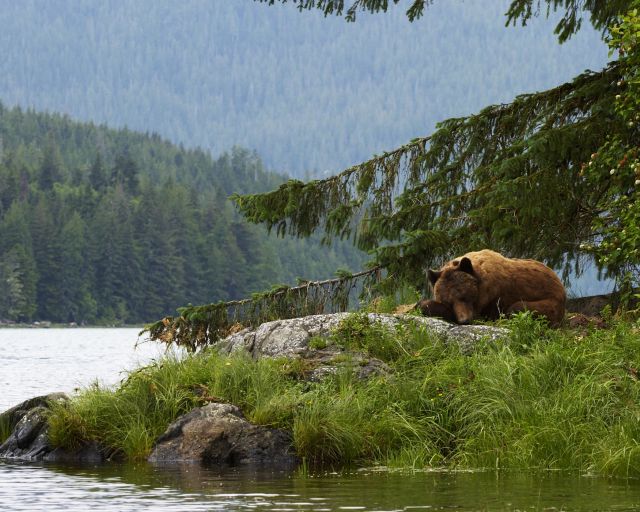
[(509, 280)]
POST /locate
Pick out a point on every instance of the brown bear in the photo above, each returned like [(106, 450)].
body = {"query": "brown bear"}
[(485, 284)]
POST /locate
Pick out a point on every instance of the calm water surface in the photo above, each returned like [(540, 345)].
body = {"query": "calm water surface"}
[(41, 361), (38, 361)]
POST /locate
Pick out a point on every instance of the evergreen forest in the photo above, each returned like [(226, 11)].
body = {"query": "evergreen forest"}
[(112, 226)]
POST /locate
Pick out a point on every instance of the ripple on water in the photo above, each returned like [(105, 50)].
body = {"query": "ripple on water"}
[(192, 488)]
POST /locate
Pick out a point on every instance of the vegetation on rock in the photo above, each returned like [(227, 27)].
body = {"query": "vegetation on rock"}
[(548, 399)]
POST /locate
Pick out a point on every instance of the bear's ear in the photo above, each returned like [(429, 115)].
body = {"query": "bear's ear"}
[(466, 266), (433, 276)]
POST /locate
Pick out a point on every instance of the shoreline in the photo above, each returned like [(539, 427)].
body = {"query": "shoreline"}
[(375, 390), (72, 325)]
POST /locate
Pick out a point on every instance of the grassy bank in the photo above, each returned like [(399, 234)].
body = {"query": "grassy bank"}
[(557, 399)]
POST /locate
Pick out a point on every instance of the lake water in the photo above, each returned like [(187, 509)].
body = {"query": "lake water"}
[(39, 361)]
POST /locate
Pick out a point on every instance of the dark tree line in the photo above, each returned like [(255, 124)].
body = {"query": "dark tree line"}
[(98, 225)]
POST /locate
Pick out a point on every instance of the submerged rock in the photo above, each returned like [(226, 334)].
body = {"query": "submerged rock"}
[(218, 434), (29, 438)]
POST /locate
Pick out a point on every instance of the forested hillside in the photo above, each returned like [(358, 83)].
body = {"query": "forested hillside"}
[(308, 93), (101, 225)]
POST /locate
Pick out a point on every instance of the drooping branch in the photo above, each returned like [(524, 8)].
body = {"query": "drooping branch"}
[(507, 177), (198, 326), (338, 7), (330, 204), (601, 12)]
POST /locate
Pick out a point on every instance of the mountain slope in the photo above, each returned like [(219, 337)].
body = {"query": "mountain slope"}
[(308, 93)]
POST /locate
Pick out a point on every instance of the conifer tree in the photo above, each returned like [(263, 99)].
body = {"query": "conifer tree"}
[(97, 174), (514, 177), (49, 172), (125, 173), (76, 303), (47, 250)]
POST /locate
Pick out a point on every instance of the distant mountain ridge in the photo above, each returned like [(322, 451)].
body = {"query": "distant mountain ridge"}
[(311, 95)]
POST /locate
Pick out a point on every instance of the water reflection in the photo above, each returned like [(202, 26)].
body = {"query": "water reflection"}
[(193, 488)]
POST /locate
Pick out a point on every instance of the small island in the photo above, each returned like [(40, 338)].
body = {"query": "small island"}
[(363, 389)]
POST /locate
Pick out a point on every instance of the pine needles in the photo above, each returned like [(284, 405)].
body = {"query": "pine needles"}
[(507, 177)]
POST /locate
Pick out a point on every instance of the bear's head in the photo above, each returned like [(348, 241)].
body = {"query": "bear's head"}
[(457, 286)]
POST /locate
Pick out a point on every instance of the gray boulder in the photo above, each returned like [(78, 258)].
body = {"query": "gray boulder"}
[(290, 338), (10, 418), (29, 438), (218, 434)]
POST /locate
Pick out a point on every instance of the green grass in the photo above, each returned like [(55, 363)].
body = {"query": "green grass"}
[(550, 399)]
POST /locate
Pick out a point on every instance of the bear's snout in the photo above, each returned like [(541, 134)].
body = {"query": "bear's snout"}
[(463, 312)]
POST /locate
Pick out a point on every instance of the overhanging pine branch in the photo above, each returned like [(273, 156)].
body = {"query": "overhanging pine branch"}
[(483, 180), (198, 326)]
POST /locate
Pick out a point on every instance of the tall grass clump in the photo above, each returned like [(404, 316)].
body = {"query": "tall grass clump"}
[(346, 422), (5, 428), (394, 419), (127, 420), (545, 399), (556, 401)]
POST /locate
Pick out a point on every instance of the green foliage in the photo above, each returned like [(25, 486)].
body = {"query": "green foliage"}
[(615, 168), (527, 330), (548, 399), (602, 13), (318, 343), (401, 298), (357, 332)]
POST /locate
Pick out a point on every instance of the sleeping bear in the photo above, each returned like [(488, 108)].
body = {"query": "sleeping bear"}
[(485, 284)]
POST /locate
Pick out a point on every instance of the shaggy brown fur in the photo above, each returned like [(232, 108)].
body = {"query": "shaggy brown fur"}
[(485, 284)]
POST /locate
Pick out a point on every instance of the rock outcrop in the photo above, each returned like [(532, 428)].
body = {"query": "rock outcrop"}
[(290, 338), (218, 434), (29, 439)]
